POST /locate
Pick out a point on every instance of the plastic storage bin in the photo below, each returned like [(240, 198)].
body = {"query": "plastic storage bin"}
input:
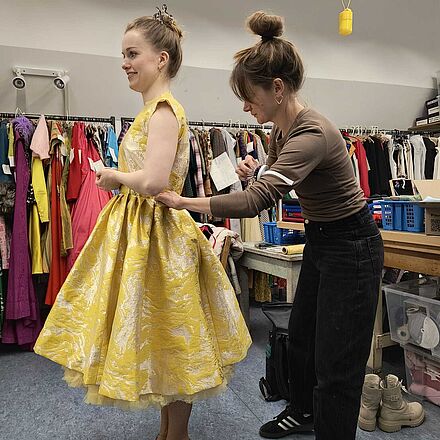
[(280, 236), (402, 216), (414, 313), (422, 374)]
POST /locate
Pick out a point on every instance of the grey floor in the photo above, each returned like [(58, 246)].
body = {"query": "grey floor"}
[(36, 404)]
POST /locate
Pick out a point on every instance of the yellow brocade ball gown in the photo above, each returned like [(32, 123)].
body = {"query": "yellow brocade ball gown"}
[(147, 314)]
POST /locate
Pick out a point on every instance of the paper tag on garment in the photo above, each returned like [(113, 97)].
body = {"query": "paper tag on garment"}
[(293, 194), (98, 165), (250, 147), (113, 155), (72, 155), (11, 161), (223, 172), (63, 150), (80, 156), (6, 169), (92, 164)]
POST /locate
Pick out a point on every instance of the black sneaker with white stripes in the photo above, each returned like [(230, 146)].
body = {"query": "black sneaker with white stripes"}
[(288, 422)]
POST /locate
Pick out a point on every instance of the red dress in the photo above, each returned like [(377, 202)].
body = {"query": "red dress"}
[(90, 199)]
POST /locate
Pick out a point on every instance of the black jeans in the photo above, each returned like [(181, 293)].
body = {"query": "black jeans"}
[(332, 321)]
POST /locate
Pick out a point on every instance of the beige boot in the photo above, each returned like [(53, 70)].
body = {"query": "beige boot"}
[(370, 402), (396, 412)]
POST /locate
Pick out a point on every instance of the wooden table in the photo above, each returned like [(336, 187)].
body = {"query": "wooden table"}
[(415, 252), (270, 262)]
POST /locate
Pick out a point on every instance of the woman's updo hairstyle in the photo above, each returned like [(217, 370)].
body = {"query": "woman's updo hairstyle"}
[(272, 57), (162, 31)]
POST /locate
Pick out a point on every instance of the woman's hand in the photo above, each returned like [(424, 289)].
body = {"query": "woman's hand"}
[(246, 168), (106, 179), (171, 199)]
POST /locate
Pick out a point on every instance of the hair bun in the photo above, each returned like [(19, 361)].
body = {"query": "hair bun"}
[(265, 25), (172, 24)]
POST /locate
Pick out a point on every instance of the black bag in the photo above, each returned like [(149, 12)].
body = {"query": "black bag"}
[(275, 386)]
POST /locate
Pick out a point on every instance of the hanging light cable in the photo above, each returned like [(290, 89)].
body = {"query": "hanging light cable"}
[(346, 19)]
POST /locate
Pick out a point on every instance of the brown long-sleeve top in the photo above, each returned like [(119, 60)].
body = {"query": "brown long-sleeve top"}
[(310, 158)]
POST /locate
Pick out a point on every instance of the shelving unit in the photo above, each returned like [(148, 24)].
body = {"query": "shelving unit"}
[(291, 225), (432, 128)]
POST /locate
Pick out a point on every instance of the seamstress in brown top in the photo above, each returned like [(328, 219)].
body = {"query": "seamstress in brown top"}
[(334, 307)]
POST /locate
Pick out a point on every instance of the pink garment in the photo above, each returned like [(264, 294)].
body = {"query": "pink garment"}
[(431, 394), (89, 204), (5, 241), (425, 376), (40, 140)]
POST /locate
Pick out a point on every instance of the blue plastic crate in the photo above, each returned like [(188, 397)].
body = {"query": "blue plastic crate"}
[(268, 231), (402, 216), (280, 236), (413, 218), (392, 215)]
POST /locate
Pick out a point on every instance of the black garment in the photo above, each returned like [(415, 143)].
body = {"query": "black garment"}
[(379, 173), (383, 170), (386, 146), (431, 152), (332, 322), (373, 176)]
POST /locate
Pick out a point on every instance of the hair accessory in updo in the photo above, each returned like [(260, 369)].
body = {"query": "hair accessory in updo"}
[(162, 15)]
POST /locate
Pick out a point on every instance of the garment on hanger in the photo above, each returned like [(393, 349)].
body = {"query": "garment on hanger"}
[(431, 153), (419, 156), (58, 264), (437, 158), (112, 150), (22, 323), (91, 199)]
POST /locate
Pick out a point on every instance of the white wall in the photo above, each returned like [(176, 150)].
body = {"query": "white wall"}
[(394, 41), (98, 87), (381, 75)]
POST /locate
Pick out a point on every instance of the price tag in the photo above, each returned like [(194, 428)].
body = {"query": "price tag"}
[(98, 165)]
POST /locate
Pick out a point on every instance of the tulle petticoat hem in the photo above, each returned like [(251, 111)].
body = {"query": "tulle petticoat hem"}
[(75, 379)]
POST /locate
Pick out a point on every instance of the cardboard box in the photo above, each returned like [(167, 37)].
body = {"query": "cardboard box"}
[(432, 102), (433, 110), (434, 118), (423, 120), (430, 193)]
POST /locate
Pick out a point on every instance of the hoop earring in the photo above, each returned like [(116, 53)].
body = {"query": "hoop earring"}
[(280, 100)]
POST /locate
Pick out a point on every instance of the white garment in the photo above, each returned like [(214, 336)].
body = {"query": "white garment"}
[(401, 165), (408, 160), (234, 223), (356, 168), (393, 165), (437, 159), (419, 156)]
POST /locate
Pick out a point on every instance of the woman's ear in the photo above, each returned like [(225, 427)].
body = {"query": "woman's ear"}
[(163, 59), (278, 87)]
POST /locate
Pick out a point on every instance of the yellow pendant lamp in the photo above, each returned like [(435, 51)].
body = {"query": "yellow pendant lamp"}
[(346, 20)]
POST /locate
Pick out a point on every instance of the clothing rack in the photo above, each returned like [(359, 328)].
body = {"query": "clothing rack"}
[(111, 120), (217, 124), (359, 130)]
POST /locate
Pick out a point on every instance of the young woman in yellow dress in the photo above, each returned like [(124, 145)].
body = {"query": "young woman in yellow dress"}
[(147, 315)]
